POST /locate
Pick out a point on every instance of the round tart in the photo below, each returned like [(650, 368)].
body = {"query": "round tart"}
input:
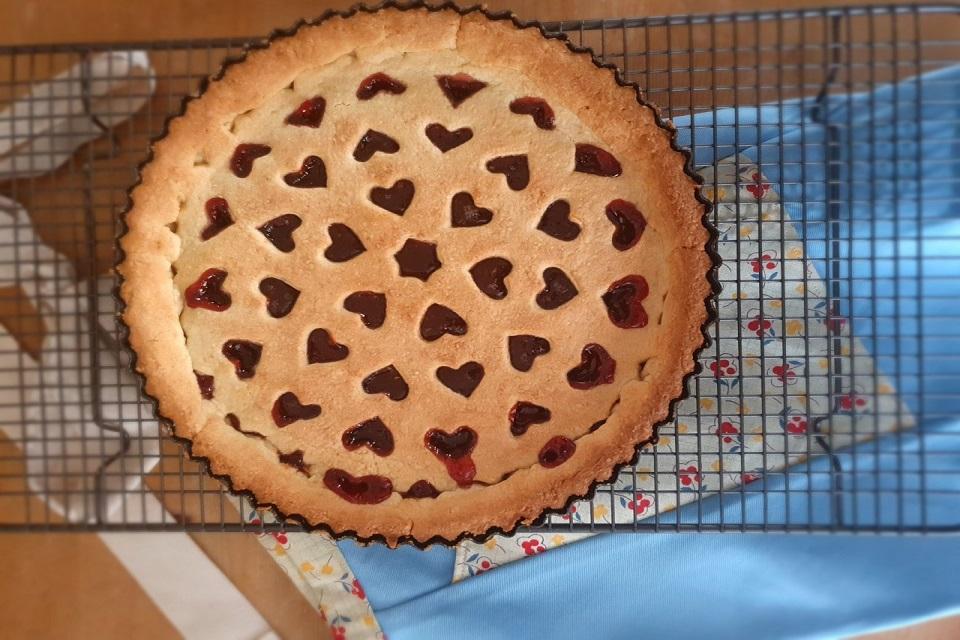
[(415, 274)]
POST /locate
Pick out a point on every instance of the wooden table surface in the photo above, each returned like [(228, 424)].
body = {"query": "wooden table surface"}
[(56, 585)]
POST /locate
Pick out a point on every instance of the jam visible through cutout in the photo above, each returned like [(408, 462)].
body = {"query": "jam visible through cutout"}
[(556, 222), (558, 450), (218, 214), (558, 291), (321, 348), (464, 213), (514, 168), (287, 409), (244, 355), (279, 231), (523, 414), (205, 383), (395, 199), (312, 174), (439, 320), (628, 223), (454, 449), (234, 423), (537, 108), (308, 114), (387, 381), (624, 301), (358, 490), (372, 142), (344, 243), (596, 161), (370, 306), (459, 87), (444, 139), (241, 163), (596, 367), (294, 459), (280, 296), (417, 259), (421, 489), (524, 349), (372, 434), (377, 82), (463, 380), (207, 292), (490, 274)]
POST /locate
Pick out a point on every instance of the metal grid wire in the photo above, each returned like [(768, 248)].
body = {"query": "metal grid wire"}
[(688, 65)]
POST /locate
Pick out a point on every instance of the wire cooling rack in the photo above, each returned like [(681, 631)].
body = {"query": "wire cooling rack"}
[(756, 447)]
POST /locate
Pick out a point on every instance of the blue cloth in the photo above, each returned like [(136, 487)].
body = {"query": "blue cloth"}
[(768, 585)]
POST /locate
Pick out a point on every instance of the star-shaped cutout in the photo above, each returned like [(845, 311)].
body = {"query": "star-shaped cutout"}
[(417, 259)]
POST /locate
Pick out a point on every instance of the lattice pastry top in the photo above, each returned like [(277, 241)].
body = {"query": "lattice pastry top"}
[(415, 274)]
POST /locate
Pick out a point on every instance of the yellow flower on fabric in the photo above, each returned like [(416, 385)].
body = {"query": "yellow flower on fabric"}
[(768, 215), (776, 304), (368, 620), (795, 252), (558, 540), (306, 567), (794, 327), (884, 388), (706, 404), (745, 410), (682, 428), (664, 441), (279, 550), (716, 466), (715, 195), (758, 439), (800, 288), (599, 511), (844, 349), (746, 231), (490, 544), (823, 363), (326, 569)]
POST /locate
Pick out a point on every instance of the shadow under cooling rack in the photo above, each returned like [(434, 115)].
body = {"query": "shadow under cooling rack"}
[(829, 141)]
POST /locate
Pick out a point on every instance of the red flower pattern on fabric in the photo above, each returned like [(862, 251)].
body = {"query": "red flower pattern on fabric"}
[(338, 632), (851, 402), (723, 368), (639, 504), (759, 325), (727, 431), (533, 546), (747, 478), (358, 589), (797, 425), (758, 188), (784, 373), (766, 261), (690, 476)]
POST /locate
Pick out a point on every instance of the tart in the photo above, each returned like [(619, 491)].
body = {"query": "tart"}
[(415, 274)]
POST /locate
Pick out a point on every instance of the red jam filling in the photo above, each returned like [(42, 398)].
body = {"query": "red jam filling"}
[(358, 490), (463, 380), (596, 367), (207, 292), (624, 301)]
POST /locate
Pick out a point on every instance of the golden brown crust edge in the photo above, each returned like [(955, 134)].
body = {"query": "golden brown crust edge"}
[(150, 247)]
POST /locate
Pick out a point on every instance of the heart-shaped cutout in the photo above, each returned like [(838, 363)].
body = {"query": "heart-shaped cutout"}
[(321, 347), (459, 87), (395, 199), (372, 142), (596, 367), (556, 222), (514, 168), (308, 114), (490, 276), (537, 108), (444, 139), (218, 215), (372, 434), (523, 414), (312, 174), (417, 259), (463, 380), (464, 213), (279, 231), (207, 292), (438, 320), (294, 459), (358, 490), (280, 296), (421, 489), (596, 161), (234, 422), (624, 301), (205, 383), (288, 409), (558, 450), (387, 381), (377, 82), (628, 223), (241, 162), (244, 355), (458, 444), (558, 289), (369, 305), (344, 243), (524, 349)]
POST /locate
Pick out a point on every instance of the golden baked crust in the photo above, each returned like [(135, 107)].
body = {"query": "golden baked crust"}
[(165, 253)]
